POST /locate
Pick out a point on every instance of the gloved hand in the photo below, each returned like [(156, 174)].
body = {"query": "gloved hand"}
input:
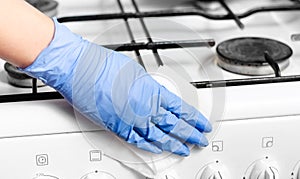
[(114, 91)]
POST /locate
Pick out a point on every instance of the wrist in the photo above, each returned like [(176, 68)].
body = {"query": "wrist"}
[(58, 59)]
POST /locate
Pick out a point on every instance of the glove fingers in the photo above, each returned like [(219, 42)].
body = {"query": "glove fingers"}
[(184, 111), (135, 139), (178, 128), (163, 141)]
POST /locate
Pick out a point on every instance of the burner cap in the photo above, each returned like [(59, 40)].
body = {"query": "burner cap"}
[(207, 5), (48, 7), (246, 55)]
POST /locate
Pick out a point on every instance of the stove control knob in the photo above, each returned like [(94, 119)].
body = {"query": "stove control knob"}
[(296, 172), (262, 169), (42, 176), (213, 171), (98, 175), (296, 175)]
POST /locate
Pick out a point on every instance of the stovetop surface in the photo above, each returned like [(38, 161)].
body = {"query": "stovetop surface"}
[(194, 64), (236, 105)]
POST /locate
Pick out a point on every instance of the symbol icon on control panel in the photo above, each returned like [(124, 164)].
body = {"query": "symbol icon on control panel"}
[(95, 155), (41, 159), (267, 142), (217, 146)]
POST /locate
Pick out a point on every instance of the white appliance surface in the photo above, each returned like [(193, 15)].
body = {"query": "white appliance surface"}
[(256, 127)]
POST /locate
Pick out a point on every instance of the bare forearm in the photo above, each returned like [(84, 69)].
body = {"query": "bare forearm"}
[(24, 32)]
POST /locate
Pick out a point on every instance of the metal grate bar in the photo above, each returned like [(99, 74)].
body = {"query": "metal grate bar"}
[(247, 81), (198, 85), (233, 16), (30, 97), (137, 52), (34, 85), (272, 63), (161, 45), (179, 12), (154, 50)]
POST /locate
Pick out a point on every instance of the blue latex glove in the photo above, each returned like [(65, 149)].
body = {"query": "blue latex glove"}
[(114, 91)]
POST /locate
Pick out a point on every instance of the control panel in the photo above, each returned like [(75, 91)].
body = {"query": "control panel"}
[(58, 156), (265, 148)]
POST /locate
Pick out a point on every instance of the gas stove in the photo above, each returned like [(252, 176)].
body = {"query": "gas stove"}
[(255, 115)]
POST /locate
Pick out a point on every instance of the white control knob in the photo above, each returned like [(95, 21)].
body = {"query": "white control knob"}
[(262, 169), (296, 173), (42, 176), (213, 171), (98, 175)]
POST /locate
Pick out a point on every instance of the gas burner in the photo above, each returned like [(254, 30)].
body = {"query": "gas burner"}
[(48, 7), (18, 78), (207, 5), (296, 1), (246, 55), (203, 5)]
